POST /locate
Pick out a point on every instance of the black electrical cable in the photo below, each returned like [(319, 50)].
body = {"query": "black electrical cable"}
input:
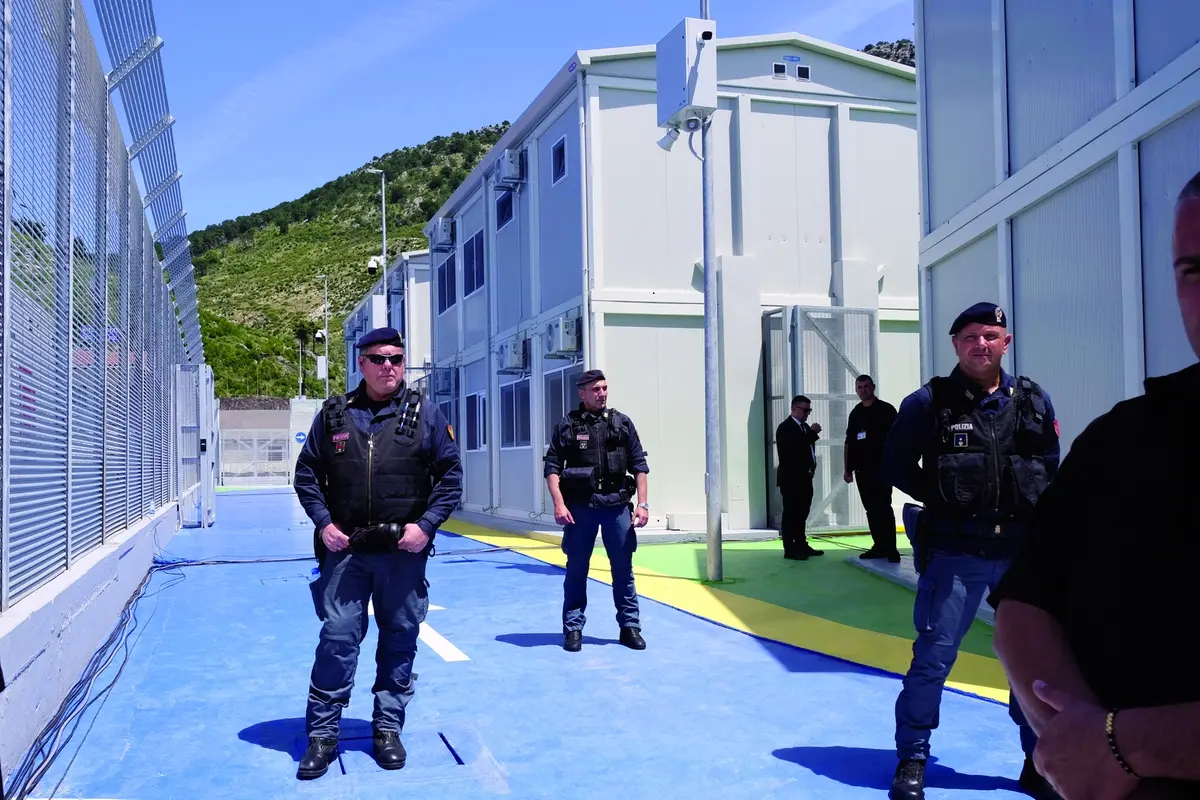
[(2, 684)]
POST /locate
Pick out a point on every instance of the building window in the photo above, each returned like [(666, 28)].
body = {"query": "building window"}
[(504, 209), (514, 414), (473, 271), (477, 421), (447, 409), (561, 395), (803, 73), (447, 289), (779, 69), (558, 161)]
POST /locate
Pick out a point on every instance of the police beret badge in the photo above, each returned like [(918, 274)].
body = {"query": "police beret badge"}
[(999, 314)]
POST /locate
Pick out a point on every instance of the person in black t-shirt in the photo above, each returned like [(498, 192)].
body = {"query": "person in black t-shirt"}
[(866, 433), (1092, 619)]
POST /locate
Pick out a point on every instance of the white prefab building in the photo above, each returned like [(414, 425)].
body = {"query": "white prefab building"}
[(405, 308), (1055, 137), (577, 243)]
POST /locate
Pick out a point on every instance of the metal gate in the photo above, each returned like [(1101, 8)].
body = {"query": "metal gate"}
[(818, 352)]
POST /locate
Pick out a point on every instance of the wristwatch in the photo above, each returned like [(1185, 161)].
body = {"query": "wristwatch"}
[(644, 505)]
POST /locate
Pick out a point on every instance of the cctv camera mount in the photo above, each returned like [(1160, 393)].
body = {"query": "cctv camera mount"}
[(686, 65)]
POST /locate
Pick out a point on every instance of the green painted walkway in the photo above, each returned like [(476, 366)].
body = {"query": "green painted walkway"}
[(825, 586)]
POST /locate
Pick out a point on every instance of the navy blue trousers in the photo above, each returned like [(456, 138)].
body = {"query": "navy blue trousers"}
[(615, 525), (396, 586), (949, 592)]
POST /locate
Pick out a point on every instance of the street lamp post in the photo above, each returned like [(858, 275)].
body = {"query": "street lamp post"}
[(383, 212), (326, 336)]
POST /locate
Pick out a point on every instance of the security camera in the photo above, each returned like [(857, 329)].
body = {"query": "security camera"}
[(706, 36), (319, 335), (372, 265)]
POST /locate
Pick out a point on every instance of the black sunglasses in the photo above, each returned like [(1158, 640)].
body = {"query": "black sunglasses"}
[(379, 360)]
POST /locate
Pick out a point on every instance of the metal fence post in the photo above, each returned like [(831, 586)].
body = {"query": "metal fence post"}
[(5, 296)]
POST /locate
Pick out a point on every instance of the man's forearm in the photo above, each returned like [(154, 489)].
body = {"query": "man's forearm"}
[(1032, 646), (555, 493), (1161, 742), (643, 487)]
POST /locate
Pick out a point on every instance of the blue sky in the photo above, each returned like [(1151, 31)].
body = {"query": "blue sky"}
[(275, 97)]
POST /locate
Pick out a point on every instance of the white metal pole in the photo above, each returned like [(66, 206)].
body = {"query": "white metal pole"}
[(712, 398), (387, 309), (300, 366), (326, 337)]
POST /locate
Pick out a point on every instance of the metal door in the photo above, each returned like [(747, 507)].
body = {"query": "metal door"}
[(818, 352)]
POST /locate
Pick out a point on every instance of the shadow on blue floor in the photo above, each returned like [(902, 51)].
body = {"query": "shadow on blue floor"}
[(548, 640), (217, 678), (873, 769)]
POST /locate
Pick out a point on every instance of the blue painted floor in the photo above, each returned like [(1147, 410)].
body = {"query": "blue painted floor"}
[(210, 702)]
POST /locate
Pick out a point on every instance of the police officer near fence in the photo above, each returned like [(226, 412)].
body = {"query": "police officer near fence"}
[(378, 474), (594, 464), (988, 443)]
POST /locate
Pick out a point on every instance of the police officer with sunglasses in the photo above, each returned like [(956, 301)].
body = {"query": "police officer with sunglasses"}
[(379, 473)]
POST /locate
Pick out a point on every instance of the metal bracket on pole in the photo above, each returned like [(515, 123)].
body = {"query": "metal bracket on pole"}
[(158, 129)]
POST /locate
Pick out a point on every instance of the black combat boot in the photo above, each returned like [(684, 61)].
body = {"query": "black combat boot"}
[(632, 638), (317, 758), (572, 641), (388, 751), (909, 783)]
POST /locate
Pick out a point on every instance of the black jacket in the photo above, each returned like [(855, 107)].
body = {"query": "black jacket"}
[(866, 431), (794, 445)]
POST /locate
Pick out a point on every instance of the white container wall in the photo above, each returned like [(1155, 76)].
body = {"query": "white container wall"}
[(1054, 139), (590, 232)]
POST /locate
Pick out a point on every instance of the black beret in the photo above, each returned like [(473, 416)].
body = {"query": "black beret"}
[(983, 313), (380, 336), (591, 376)]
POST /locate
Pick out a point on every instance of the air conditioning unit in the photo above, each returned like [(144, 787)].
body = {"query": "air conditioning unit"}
[(562, 337), (513, 355), (510, 169), (441, 235), (443, 382)]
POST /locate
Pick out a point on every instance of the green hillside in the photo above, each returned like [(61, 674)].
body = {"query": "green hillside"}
[(257, 275)]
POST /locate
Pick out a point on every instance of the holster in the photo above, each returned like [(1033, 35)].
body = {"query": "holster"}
[(918, 535)]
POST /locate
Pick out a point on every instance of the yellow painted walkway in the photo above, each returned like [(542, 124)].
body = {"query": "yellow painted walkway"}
[(972, 673)]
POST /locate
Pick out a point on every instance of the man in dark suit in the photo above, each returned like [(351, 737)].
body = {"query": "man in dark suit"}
[(795, 442)]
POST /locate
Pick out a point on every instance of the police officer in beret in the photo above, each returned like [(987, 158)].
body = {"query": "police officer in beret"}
[(988, 446), (594, 463), (379, 473)]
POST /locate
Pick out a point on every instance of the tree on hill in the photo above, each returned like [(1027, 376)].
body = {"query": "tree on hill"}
[(902, 51), (257, 275)]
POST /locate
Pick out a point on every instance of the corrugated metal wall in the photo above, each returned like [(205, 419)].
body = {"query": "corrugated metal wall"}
[(1067, 294)]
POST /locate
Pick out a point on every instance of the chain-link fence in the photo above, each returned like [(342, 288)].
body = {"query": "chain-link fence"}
[(91, 329)]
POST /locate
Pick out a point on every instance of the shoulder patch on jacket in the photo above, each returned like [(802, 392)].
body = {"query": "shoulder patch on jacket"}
[(450, 431)]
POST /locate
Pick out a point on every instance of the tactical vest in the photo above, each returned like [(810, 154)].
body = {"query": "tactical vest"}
[(376, 478), (596, 467), (985, 471)]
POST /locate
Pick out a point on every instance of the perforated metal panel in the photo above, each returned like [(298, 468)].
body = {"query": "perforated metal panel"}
[(818, 352)]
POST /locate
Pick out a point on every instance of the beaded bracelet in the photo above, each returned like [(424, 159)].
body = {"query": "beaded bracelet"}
[(1112, 743)]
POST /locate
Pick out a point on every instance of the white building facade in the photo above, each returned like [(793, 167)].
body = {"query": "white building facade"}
[(577, 244), (405, 307), (1055, 138)]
